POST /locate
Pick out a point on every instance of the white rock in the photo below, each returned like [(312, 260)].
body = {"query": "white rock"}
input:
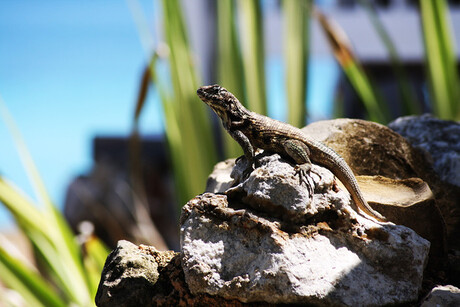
[(237, 254)]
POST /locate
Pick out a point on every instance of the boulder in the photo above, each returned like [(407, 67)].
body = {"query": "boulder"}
[(371, 149), (128, 277), (439, 141), (239, 254), (272, 239)]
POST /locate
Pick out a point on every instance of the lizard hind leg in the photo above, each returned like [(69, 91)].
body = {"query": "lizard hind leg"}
[(300, 153)]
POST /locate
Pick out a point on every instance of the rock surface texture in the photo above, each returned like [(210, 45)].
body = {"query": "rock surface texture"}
[(128, 274), (271, 240), (143, 276)]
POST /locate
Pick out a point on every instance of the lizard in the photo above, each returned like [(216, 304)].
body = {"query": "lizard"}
[(252, 131)]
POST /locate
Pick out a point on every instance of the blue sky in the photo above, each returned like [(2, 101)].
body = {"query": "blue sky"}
[(69, 70)]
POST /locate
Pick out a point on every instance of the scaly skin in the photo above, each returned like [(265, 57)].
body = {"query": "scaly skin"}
[(252, 130)]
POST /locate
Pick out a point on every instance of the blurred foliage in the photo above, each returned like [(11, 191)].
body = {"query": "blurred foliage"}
[(66, 276), (410, 104), (240, 68), (345, 56), (296, 15), (441, 59)]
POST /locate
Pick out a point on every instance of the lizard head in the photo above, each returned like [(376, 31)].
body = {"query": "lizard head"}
[(220, 100)]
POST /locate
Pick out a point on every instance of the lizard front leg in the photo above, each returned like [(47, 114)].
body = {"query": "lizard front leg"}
[(247, 147)]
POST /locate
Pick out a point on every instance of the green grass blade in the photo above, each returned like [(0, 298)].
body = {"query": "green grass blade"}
[(230, 66), (172, 131), (296, 51), (34, 290), (373, 103), (197, 150), (440, 56), (252, 44), (58, 233), (171, 116), (21, 208), (95, 255), (407, 94), (37, 228)]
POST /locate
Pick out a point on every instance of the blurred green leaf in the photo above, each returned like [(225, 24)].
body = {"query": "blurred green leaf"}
[(441, 60), (197, 150), (341, 47), (296, 52), (96, 253), (252, 50), (230, 66), (409, 101), (27, 282), (47, 230)]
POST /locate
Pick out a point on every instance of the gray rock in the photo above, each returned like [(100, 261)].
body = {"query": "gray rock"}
[(127, 278), (220, 179), (131, 278), (438, 138), (274, 187), (237, 248), (445, 296)]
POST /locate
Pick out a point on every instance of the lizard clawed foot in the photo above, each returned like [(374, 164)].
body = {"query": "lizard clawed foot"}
[(302, 171)]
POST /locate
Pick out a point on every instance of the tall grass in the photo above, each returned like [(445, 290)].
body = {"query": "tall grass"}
[(296, 53), (253, 54), (372, 100), (72, 278), (229, 64), (441, 59), (410, 105), (441, 62)]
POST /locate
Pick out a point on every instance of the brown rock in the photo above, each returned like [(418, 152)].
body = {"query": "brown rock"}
[(370, 148), (407, 202), (375, 150)]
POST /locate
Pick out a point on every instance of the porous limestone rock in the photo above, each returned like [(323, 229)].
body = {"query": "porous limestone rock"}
[(268, 185), (143, 276), (127, 278), (253, 248), (275, 188), (237, 254)]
